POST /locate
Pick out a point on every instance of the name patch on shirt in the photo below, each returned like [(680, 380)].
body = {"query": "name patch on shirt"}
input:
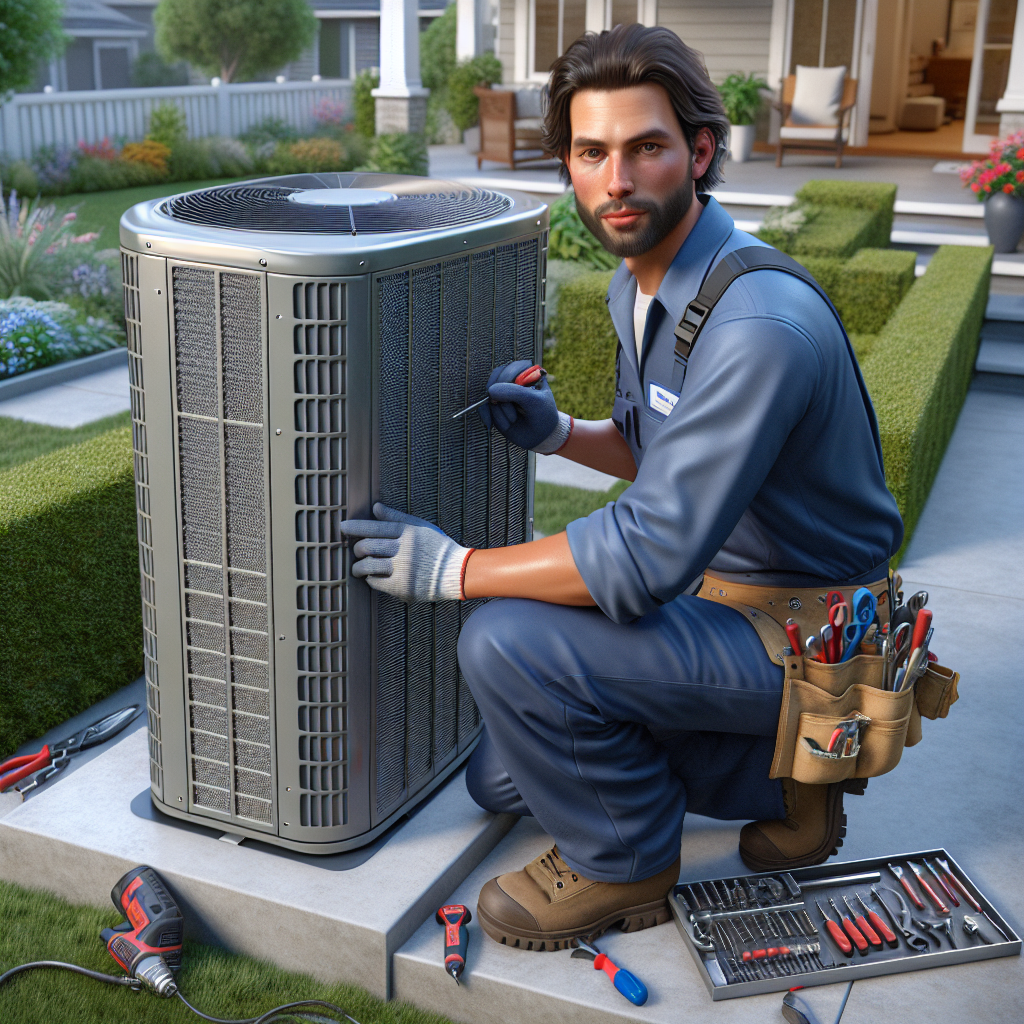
[(660, 399)]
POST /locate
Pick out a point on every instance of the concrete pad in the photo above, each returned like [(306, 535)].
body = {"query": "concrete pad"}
[(74, 403), (77, 836), (554, 469)]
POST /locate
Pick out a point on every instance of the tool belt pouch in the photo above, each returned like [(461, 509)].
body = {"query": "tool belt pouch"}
[(817, 697)]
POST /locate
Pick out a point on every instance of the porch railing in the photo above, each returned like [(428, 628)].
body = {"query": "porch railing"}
[(29, 121)]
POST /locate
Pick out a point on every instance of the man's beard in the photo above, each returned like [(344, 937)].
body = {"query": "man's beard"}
[(661, 221)]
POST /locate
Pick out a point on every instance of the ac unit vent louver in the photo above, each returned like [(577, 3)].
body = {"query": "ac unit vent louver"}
[(306, 341)]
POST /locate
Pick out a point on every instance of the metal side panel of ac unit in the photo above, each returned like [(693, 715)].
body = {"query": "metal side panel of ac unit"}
[(319, 363)]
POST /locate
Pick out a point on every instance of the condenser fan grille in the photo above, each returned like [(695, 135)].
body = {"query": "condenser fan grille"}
[(267, 208)]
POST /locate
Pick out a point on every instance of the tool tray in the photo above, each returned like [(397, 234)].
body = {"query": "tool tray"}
[(697, 917)]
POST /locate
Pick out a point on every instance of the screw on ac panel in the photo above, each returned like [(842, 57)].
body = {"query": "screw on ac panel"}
[(281, 637), (149, 245), (278, 431), (278, 317), (263, 263), (159, 291)]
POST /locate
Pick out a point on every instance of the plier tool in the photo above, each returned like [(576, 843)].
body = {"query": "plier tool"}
[(53, 758)]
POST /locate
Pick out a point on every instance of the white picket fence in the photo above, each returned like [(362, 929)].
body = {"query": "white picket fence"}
[(29, 121)]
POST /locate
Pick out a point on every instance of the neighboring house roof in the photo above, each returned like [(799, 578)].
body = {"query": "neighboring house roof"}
[(91, 18)]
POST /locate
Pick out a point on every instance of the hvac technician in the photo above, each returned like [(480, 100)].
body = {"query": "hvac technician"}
[(762, 467)]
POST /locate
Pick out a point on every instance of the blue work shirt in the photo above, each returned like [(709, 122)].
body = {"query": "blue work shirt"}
[(768, 470)]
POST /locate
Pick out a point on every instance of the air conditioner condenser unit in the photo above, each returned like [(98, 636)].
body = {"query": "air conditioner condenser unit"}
[(297, 349)]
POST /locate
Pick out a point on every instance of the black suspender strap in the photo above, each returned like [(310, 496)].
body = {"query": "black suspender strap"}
[(731, 266)]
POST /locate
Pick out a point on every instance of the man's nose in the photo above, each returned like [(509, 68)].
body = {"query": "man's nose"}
[(620, 185)]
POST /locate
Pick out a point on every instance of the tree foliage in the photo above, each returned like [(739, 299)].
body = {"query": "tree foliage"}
[(235, 39), (30, 34), (461, 101), (437, 51)]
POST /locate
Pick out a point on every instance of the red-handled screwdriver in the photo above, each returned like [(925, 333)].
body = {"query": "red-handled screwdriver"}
[(923, 882), (898, 874), (836, 932), (851, 929), (454, 918), (530, 377), (879, 925), (921, 626), (866, 930), (793, 632)]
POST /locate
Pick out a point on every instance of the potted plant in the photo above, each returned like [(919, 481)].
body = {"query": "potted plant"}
[(998, 181), (741, 96)]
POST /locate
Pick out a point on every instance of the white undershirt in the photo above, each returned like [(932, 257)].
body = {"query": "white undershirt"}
[(640, 308)]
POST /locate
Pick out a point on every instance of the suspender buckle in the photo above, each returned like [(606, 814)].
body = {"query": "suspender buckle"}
[(689, 327)]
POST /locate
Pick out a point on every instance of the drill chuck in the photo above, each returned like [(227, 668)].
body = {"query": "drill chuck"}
[(156, 975)]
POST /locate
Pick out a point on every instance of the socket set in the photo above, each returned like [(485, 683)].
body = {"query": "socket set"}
[(837, 922)]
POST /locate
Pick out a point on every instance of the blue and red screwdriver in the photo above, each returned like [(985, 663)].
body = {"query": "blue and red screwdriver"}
[(453, 918)]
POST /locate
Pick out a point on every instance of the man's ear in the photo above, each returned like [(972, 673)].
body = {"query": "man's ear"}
[(704, 148)]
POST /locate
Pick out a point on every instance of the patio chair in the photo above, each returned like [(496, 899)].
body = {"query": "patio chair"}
[(814, 107), (511, 125)]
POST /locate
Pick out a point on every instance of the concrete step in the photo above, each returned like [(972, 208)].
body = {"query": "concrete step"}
[(1002, 348), (337, 918)]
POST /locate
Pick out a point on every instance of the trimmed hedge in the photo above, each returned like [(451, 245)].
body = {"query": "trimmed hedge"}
[(69, 585), (582, 363), (920, 368), (877, 196)]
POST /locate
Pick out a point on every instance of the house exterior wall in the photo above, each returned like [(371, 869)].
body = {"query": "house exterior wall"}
[(733, 35), (506, 42)]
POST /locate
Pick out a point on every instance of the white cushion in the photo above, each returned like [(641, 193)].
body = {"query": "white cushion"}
[(819, 134), (817, 96)]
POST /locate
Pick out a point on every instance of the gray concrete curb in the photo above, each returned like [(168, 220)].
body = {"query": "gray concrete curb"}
[(61, 373)]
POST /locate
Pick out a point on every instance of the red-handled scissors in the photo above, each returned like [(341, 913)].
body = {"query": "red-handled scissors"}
[(54, 757)]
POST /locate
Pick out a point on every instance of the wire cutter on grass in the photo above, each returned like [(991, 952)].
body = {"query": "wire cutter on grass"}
[(55, 757)]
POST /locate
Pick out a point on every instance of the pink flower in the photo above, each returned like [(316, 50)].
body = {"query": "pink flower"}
[(975, 187), (89, 236), (68, 217), (1020, 153), (1020, 176), (1008, 189)]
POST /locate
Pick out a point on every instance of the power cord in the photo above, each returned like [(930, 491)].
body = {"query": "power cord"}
[(330, 1015)]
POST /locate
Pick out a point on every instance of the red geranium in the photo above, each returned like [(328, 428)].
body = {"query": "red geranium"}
[(1002, 171)]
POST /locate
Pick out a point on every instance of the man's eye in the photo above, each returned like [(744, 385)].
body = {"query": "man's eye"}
[(649, 147), (591, 154)]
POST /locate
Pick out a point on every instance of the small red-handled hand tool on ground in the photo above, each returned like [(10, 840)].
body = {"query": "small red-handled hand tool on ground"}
[(878, 924), (453, 918), (937, 875), (944, 864), (932, 894), (865, 929), (529, 378), (898, 874), (628, 984), (55, 757), (851, 929), (838, 936)]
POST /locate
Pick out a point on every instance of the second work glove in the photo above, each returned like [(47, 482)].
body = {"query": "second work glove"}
[(407, 557), (526, 415)]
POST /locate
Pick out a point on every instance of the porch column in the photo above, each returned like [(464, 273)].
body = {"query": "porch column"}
[(401, 99), (1011, 106), (468, 25), (594, 20)]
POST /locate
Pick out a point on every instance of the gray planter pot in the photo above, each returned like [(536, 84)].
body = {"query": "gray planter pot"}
[(741, 141), (1004, 221)]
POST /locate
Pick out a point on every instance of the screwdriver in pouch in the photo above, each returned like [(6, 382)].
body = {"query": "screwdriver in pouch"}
[(530, 377), (866, 930), (838, 936), (879, 925), (851, 929)]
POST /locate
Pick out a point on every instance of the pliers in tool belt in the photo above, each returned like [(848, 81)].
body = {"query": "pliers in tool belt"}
[(53, 758)]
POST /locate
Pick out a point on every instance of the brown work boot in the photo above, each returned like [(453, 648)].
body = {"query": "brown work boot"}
[(811, 832), (548, 906)]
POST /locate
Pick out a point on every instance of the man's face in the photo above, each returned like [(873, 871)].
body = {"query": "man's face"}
[(630, 165)]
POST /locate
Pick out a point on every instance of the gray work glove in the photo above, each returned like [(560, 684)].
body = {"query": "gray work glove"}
[(525, 415), (407, 557)]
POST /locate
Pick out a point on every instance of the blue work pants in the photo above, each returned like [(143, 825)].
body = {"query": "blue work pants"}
[(609, 733)]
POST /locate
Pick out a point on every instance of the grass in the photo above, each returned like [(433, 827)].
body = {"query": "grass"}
[(101, 211), (21, 442), (555, 506), (38, 926)]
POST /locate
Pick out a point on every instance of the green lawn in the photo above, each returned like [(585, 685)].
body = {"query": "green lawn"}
[(37, 926), (21, 441), (101, 211), (555, 506)]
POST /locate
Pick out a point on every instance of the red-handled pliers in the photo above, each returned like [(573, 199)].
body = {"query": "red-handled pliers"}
[(54, 757)]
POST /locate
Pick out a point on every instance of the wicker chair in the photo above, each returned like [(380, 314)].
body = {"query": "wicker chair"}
[(800, 135), (506, 137)]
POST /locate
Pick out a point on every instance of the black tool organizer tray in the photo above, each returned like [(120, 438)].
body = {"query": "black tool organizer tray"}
[(699, 914)]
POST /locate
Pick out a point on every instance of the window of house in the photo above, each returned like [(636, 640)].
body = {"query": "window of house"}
[(337, 48), (556, 25), (113, 66)]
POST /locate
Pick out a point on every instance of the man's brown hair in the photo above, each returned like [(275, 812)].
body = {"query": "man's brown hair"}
[(630, 55)]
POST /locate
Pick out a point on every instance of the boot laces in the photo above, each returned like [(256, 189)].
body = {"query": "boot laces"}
[(557, 869)]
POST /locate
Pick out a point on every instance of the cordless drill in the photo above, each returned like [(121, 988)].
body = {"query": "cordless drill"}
[(147, 944)]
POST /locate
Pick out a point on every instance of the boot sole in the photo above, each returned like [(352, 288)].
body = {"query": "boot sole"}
[(833, 838), (633, 919)]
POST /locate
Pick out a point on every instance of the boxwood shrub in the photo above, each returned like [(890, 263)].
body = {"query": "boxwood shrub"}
[(69, 588), (920, 367)]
